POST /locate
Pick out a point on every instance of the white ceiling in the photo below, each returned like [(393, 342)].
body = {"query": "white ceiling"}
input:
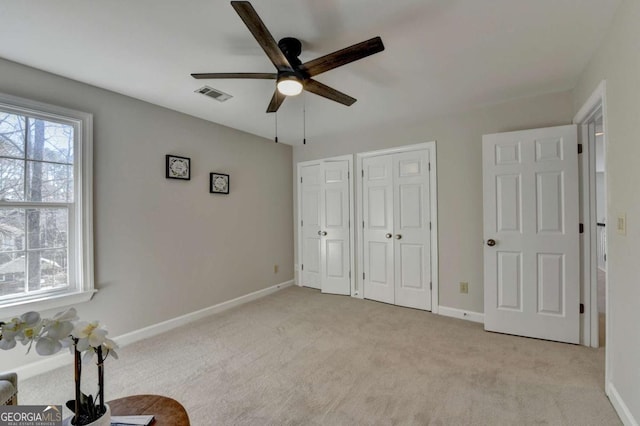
[(441, 55)]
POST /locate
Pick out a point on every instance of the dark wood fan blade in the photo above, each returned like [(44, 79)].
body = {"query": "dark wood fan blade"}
[(256, 75), (264, 38), (276, 100), (343, 56), (325, 91)]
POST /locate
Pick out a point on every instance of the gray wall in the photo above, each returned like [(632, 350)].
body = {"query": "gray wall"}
[(459, 151), (164, 247), (618, 62)]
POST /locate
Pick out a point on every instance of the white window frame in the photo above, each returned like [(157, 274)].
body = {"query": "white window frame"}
[(80, 246)]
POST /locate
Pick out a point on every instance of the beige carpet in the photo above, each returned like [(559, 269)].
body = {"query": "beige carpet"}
[(300, 357)]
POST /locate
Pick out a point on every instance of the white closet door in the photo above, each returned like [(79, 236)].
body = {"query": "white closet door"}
[(335, 247), (411, 229), (310, 206), (377, 213)]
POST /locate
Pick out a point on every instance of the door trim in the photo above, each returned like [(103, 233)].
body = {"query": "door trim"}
[(589, 323), (358, 290), (349, 159)]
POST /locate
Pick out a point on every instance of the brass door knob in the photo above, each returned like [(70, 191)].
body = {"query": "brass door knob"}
[(398, 236), (388, 236)]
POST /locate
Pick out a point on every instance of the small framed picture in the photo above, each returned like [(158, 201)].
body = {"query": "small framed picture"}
[(178, 167), (218, 183)]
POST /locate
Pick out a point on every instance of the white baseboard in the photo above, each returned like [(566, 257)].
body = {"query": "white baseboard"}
[(161, 327), (44, 365), (461, 314), (53, 362), (621, 408)]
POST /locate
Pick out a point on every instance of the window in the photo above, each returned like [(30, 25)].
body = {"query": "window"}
[(46, 253)]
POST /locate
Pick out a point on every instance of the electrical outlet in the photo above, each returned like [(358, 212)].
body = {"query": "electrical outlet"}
[(275, 269), (464, 288)]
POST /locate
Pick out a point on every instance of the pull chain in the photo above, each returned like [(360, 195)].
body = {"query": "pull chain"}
[(304, 119), (276, 124)]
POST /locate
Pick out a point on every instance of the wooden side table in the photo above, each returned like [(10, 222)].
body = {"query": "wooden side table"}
[(166, 411)]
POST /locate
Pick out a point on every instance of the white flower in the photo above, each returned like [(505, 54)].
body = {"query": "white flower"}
[(60, 326), (56, 332), (48, 346), (25, 329), (9, 332), (69, 315), (30, 326), (111, 347), (89, 334), (108, 348)]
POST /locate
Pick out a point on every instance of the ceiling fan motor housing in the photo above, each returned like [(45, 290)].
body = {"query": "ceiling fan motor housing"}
[(291, 47)]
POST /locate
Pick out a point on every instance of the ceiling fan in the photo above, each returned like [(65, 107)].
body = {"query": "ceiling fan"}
[(292, 75)]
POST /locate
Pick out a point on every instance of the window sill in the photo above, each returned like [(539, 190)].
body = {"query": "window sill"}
[(45, 303)]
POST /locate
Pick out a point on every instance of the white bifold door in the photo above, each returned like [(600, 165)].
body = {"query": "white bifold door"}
[(325, 243), (531, 233), (396, 228)]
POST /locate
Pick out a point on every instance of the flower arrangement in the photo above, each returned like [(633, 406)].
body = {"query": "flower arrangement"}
[(65, 330)]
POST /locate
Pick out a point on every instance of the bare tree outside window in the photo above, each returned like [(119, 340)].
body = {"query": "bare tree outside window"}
[(36, 189)]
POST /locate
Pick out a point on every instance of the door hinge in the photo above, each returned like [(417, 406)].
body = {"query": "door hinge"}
[(429, 166), (605, 257), (302, 267), (429, 226), (579, 148), (430, 285), (363, 224), (582, 308), (363, 275), (348, 175), (300, 180), (582, 228), (302, 223), (362, 172), (349, 274)]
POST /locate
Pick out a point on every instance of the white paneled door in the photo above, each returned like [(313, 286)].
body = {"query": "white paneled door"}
[(377, 215), (531, 233), (324, 227), (334, 232), (310, 195), (396, 228)]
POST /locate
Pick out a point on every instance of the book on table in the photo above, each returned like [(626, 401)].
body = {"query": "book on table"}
[(131, 420)]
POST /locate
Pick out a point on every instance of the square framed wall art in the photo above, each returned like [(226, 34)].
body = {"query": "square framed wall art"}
[(218, 183), (178, 167)]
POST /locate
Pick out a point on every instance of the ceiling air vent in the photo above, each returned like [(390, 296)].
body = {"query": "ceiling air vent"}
[(214, 93)]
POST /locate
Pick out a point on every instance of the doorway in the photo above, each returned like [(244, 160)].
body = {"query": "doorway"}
[(592, 132), (596, 127)]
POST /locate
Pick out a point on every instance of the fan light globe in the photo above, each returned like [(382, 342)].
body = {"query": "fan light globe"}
[(289, 86)]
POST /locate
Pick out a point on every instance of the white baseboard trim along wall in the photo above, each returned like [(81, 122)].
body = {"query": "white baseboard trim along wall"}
[(56, 361), (461, 314), (621, 408)]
